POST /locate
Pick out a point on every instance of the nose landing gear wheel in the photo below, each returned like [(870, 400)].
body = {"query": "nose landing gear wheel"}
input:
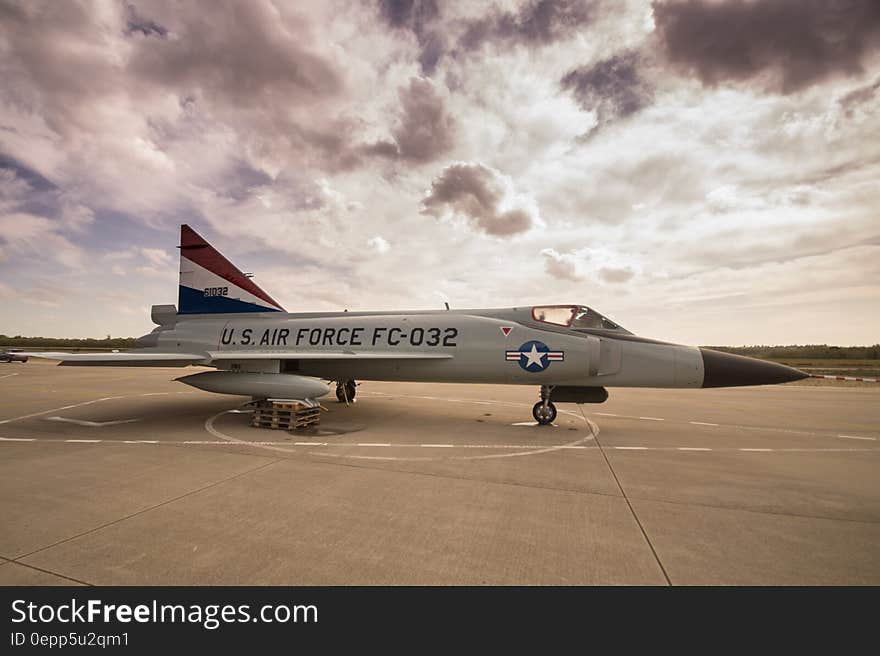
[(544, 414)]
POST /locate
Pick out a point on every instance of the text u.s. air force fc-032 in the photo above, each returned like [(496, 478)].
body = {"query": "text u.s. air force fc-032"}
[(225, 321), (390, 336)]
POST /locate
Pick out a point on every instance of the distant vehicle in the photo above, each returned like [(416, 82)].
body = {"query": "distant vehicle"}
[(12, 355)]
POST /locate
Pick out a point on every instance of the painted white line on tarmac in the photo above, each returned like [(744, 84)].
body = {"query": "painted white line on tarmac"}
[(837, 450), (79, 405), (611, 414), (45, 412), (735, 427), (391, 445), (8, 376), (92, 424), (770, 429)]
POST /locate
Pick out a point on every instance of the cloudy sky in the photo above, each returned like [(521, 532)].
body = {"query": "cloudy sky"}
[(700, 171)]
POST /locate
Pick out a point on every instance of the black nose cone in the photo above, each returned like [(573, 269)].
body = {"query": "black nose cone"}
[(728, 370)]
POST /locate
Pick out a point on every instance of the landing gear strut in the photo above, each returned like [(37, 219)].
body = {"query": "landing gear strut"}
[(544, 411), (346, 391)]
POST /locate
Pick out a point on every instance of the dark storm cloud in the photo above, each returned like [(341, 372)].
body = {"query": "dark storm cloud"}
[(51, 64), (34, 180), (797, 42), (476, 192), (534, 23), (859, 96), (424, 130), (243, 180), (33, 210), (244, 64), (247, 58), (408, 13), (137, 23), (614, 87), (538, 22), (254, 67), (418, 16), (433, 47)]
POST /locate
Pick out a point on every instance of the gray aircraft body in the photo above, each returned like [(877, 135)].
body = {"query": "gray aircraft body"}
[(224, 320)]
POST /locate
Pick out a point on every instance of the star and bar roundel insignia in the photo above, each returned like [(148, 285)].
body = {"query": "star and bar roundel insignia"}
[(534, 356)]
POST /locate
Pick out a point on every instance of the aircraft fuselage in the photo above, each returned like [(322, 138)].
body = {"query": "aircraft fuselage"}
[(490, 348)]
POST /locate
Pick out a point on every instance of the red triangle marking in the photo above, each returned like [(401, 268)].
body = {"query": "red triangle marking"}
[(506, 330)]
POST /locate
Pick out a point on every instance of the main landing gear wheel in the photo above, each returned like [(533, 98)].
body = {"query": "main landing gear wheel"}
[(346, 391), (544, 413)]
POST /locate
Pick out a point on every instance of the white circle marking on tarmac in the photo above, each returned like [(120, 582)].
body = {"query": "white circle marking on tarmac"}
[(529, 449)]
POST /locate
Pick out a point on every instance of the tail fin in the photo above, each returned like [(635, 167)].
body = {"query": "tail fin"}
[(211, 284)]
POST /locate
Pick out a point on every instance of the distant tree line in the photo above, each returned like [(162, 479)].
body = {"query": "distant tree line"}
[(817, 351), (108, 342)]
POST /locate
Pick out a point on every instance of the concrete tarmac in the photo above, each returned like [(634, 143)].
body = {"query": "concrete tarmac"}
[(122, 476)]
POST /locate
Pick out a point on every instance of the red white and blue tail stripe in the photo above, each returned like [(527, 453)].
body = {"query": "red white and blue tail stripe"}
[(211, 284)]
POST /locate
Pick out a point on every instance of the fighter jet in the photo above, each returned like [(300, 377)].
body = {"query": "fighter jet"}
[(570, 351)]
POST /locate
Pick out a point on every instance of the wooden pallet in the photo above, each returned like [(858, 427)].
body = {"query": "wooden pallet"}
[(288, 413), (285, 425), (283, 405), (285, 415)]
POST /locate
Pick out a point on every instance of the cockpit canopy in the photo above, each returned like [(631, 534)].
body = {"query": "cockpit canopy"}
[(574, 316)]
